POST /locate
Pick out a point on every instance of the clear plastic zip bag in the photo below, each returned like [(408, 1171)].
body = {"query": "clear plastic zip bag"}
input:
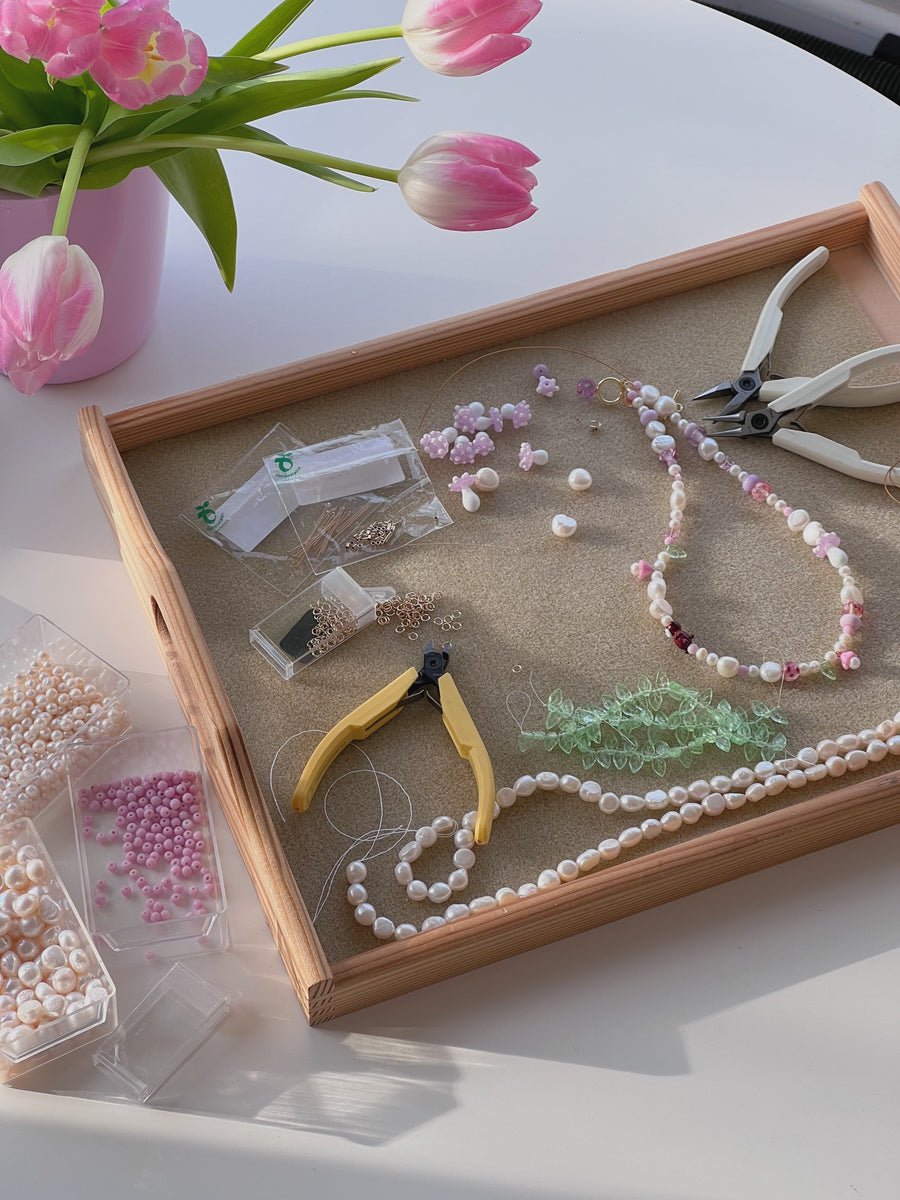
[(356, 496)]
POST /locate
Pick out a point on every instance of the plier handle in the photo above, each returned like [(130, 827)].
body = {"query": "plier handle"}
[(755, 369), (432, 683), (803, 394)]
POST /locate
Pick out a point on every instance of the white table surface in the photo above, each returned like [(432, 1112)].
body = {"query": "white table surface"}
[(739, 1043)]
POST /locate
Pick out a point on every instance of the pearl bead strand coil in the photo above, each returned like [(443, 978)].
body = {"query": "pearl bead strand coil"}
[(49, 702), (655, 813), (52, 983), (654, 410)]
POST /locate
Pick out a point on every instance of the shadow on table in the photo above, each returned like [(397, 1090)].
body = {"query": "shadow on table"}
[(575, 1001)]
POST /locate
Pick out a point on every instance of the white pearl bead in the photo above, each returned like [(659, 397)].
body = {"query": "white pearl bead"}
[(356, 872), (487, 479), (403, 873), (650, 393), (404, 931), (654, 429), (691, 812), (439, 892), (856, 760), (713, 804), (651, 828), (678, 794), (417, 890), (464, 858), (456, 912), (526, 890), (506, 797), (357, 894), (426, 836), (665, 406), (662, 442), (698, 789), (548, 879), (482, 903), (463, 839), (656, 799), (580, 479), (525, 785), (588, 860), (506, 895), (770, 672), (609, 848), (457, 880), (563, 526), (630, 837), (631, 803), (707, 448), (727, 666), (735, 800), (835, 766), (590, 791), (383, 928), (443, 826), (797, 520), (432, 923), (836, 556), (756, 792), (826, 748), (816, 773), (547, 781), (671, 821), (410, 852), (812, 531), (569, 783), (608, 802), (567, 870), (876, 750), (365, 914)]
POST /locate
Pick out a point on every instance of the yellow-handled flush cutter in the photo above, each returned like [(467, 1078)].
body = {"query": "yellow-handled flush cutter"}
[(432, 683)]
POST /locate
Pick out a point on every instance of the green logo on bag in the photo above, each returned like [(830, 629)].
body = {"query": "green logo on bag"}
[(284, 462), (208, 515)]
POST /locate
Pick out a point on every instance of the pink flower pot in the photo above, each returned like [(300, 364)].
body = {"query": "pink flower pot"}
[(123, 229)]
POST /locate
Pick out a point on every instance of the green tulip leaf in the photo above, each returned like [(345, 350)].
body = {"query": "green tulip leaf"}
[(267, 31), (107, 174), (197, 180), (30, 180), (328, 174), (260, 98), (27, 97), (28, 146)]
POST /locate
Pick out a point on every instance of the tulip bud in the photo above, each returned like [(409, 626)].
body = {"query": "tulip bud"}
[(51, 300), (469, 181), (466, 37)]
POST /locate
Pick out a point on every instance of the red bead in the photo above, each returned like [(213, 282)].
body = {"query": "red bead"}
[(790, 672)]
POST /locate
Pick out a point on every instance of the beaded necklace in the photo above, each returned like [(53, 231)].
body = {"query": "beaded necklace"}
[(653, 410), (670, 810)]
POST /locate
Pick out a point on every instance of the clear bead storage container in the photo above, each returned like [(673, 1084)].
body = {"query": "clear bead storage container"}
[(55, 993), (53, 690), (147, 855)]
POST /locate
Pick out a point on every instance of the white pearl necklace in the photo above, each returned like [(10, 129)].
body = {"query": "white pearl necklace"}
[(653, 410), (677, 806)]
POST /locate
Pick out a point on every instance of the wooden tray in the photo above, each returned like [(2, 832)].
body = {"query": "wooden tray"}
[(329, 989)]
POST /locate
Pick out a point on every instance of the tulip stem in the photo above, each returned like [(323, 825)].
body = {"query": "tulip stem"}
[(113, 150), (276, 53), (70, 182)]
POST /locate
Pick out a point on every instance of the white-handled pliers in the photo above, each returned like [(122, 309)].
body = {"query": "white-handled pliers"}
[(800, 395)]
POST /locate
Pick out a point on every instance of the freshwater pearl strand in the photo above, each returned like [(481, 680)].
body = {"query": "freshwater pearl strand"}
[(653, 410), (40, 711), (677, 806)]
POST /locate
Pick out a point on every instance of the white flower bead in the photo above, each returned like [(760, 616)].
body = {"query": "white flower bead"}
[(541, 458), (487, 479)]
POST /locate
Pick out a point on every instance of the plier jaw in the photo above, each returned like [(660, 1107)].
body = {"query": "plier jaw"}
[(762, 422), (740, 391), (435, 684)]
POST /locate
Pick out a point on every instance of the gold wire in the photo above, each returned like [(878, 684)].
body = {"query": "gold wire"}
[(888, 482), (615, 377)]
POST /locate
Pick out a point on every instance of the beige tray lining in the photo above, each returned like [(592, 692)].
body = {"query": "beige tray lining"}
[(567, 613)]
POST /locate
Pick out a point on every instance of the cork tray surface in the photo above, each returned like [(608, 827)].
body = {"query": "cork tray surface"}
[(552, 613)]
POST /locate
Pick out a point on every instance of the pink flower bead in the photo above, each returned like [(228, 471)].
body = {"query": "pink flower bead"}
[(482, 444), (463, 451), (825, 543), (496, 420), (849, 661), (526, 456), (547, 387), (434, 444), (790, 671), (464, 419), (521, 414), (642, 570), (461, 482)]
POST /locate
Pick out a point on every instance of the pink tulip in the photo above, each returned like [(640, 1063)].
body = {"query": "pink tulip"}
[(63, 34), (51, 299), (466, 37), (469, 181), (145, 55)]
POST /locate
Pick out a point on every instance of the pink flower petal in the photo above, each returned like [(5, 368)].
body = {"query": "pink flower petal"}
[(466, 37)]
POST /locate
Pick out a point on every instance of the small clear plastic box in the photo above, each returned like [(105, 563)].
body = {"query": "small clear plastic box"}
[(26, 659), (169, 1025), (149, 864), (28, 1038), (316, 621)]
